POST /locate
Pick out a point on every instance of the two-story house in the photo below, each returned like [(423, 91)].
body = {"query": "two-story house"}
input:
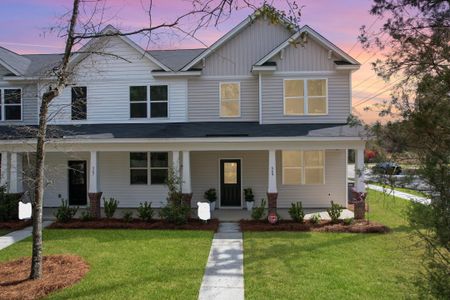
[(256, 109)]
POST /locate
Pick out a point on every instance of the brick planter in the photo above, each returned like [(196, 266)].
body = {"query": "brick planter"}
[(94, 203), (272, 199)]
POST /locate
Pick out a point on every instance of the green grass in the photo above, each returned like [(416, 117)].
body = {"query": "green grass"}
[(4, 231), (129, 264), (289, 265), (405, 190)]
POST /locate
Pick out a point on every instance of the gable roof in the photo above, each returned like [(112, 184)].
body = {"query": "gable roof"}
[(317, 37), (176, 59), (14, 62)]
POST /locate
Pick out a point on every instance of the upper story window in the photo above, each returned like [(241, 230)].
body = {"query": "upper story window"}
[(154, 103), (303, 167), (79, 103), (141, 166), (230, 98), (305, 97), (11, 104)]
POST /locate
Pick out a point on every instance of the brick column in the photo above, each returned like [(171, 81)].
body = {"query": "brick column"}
[(272, 201), (272, 192), (94, 203), (359, 202)]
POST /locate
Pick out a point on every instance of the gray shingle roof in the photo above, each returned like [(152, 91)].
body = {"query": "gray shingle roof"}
[(41, 64), (14, 61), (186, 130), (176, 59)]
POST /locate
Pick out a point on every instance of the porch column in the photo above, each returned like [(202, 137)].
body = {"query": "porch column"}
[(359, 194), (272, 192), (186, 188), (94, 189), (176, 162), (15, 175), (4, 169)]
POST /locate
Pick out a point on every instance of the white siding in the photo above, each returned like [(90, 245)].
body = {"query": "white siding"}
[(338, 99), (204, 100), (238, 54)]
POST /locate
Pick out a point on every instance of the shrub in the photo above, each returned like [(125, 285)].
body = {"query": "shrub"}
[(210, 195), (248, 195), (315, 219), (176, 214), (348, 221), (335, 212), (145, 211), (65, 213), (8, 205), (258, 212), (110, 207), (296, 212), (128, 216), (86, 216)]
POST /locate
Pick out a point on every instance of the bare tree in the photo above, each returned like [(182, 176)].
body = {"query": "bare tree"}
[(75, 30)]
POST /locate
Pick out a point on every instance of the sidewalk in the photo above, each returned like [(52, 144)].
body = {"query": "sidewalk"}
[(18, 235), (224, 274), (399, 194)]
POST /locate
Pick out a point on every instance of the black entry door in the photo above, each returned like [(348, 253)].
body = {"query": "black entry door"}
[(77, 182), (230, 182)]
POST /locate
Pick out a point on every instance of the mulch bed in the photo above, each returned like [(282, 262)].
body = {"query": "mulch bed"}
[(324, 226), (192, 224), (59, 271), (15, 225)]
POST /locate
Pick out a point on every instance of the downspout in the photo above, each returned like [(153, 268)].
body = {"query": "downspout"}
[(260, 97)]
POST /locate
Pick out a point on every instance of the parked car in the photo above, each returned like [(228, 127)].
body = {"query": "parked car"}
[(389, 168)]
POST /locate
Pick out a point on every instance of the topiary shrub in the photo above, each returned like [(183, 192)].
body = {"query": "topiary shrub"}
[(315, 219), (176, 214), (296, 212), (86, 216), (65, 213), (145, 211), (258, 212), (110, 207), (335, 212), (128, 216)]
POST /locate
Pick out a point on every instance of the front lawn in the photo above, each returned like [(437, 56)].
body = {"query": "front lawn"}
[(4, 231), (291, 265), (128, 264), (404, 190)]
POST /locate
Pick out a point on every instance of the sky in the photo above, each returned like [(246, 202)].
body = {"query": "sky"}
[(26, 27)]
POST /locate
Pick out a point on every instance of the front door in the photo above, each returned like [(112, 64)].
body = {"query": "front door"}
[(230, 182), (77, 182)]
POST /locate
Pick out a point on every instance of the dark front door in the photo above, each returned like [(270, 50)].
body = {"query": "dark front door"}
[(77, 182), (230, 182)]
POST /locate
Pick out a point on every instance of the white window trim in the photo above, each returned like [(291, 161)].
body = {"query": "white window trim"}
[(303, 167), (148, 102), (220, 98), (305, 97), (3, 105), (149, 167)]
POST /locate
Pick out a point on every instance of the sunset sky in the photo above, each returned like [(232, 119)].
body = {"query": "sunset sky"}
[(25, 29)]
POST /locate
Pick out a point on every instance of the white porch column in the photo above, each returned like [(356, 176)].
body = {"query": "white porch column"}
[(186, 187), (176, 162), (4, 169), (272, 186), (359, 170), (15, 175), (93, 173)]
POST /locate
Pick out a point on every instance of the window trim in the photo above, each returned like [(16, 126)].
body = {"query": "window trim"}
[(305, 96), (148, 167), (71, 103), (303, 168), (220, 99), (2, 104), (148, 102)]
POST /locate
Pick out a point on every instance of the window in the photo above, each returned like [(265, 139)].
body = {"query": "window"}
[(230, 99), (138, 101), (11, 104), (79, 102), (303, 167), (158, 101), (305, 97), (140, 166)]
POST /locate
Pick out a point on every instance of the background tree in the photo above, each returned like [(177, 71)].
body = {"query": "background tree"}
[(83, 22), (416, 36)]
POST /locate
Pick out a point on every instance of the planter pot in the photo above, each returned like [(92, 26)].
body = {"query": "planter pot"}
[(249, 205), (212, 205)]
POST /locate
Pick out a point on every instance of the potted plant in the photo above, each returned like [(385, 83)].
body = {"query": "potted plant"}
[(211, 196), (249, 198)]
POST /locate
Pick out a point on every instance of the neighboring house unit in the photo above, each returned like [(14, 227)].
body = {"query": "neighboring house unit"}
[(256, 109)]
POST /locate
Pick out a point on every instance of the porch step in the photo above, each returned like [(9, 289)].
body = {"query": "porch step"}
[(229, 227)]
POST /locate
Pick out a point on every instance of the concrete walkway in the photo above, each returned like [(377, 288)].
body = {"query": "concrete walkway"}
[(224, 274), (399, 194), (18, 235)]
